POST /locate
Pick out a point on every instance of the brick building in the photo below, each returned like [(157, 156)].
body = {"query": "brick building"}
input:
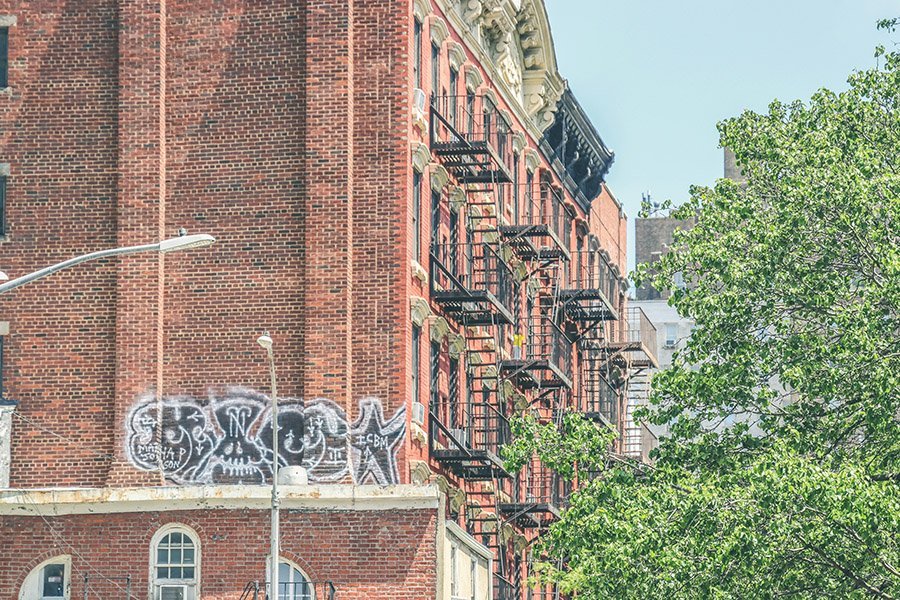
[(405, 195)]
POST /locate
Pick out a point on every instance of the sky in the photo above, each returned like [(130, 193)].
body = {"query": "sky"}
[(655, 76)]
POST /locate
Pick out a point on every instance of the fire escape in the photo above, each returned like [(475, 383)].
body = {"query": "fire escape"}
[(473, 283)]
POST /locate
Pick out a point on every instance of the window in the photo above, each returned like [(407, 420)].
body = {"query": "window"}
[(416, 339), (454, 575), (529, 191), (416, 215), (293, 584), (435, 376), (435, 68), (515, 188), (453, 393), (175, 564), (454, 86), (2, 338), (417, 53), (671, 334), (435, 219), (470, 110), (2, 201), (51, 580), (4, 57), (454, 241)]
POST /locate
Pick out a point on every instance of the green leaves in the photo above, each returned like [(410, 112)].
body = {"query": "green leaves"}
[(781, 473)]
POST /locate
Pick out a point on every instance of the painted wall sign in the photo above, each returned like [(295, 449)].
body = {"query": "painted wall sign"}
[(227, 439)]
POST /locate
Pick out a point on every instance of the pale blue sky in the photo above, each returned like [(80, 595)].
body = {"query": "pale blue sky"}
[(656, 76)]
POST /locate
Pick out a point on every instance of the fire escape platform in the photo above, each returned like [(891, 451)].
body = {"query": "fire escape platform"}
[(645, 357), (531, 515), (473, 307), (526, 241), (535, 374), (588, 305), (471, 464)]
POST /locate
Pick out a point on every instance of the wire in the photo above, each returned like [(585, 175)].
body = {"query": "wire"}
[(62, 542), (34, 424)]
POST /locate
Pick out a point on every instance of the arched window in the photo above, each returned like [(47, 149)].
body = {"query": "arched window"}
[(50, 580), (293, 584), (175, 562)]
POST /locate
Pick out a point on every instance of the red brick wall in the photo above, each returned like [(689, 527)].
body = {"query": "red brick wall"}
[(132, 119), (368, 555), (58, 131)]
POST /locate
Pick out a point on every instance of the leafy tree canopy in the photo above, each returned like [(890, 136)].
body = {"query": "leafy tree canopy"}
[(781, 476)]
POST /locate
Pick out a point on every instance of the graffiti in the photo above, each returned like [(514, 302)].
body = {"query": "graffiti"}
[(228, 439)]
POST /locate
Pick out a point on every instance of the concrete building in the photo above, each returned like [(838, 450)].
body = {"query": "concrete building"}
[(405, 195)]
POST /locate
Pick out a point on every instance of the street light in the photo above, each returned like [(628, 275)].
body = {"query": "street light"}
[(184, 242), (266, 342)]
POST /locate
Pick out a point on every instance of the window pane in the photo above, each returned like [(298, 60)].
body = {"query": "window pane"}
[(162, 557), (188, 573), (171, 593), (175, 557), (162, 573), (188, 555), (54, 580), (173, 538), (174, 572)]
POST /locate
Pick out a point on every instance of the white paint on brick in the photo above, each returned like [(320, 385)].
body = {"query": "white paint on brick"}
[(74, 501)]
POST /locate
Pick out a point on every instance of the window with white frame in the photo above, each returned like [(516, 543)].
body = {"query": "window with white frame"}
[(293, 584), (51, 580), (671, 334), (176, 564)]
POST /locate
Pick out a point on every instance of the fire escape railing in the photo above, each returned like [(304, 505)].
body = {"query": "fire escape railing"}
[(636, 334), (545, 362), (600, 399), (473, 283), (472, 139), (303, 590), (537, 495), (537, 229), (592, 292), (472, 448)]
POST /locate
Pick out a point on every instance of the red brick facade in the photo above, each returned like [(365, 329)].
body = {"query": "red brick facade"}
[(288, 131), (368, 556)]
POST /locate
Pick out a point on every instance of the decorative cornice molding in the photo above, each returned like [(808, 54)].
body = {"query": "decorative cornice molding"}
[(419, 310), (421, 9), (439, 329), (532, 159), (457, 54), (439, 177), (439, 29), (421, 156), (473, 78)]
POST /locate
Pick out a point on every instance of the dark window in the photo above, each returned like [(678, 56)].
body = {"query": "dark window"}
[(435, 376), (454, 241), (435, 219), (454, 87), (4, 57), (416, 215), (453, 393), (435, 68), (515, 190), (470, 109), (416, 335), (53, 581), (417, 53), (2, 205), (1, 367), (529, 191)]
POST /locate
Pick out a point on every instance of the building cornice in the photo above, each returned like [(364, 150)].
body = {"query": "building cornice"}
[(343, 497)]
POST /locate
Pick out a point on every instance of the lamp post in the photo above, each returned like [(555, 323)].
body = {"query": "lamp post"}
[(184, 242), (266, 342)]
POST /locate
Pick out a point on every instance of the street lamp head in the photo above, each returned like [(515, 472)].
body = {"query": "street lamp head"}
[(185, 242), (265, 341), (4, 276)]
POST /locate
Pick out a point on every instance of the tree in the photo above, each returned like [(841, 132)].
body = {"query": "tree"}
[(781, 477)]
